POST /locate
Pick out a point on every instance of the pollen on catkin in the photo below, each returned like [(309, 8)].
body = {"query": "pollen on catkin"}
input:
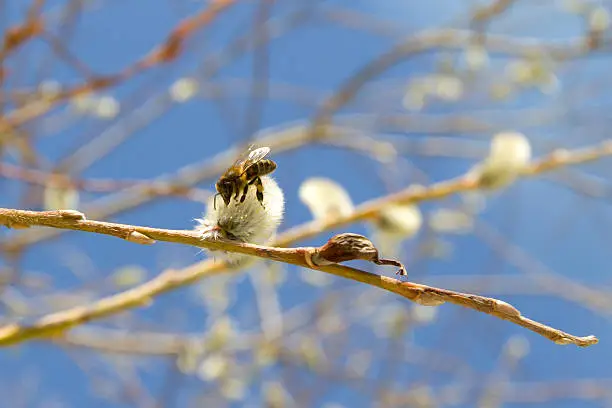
[(246, 222)]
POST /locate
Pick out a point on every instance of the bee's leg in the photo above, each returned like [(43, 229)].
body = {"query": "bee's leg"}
[(259, 185), (245, 190), (237, 190)]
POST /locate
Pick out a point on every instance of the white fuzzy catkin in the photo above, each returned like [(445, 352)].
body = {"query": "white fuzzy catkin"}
[(509, 154), (450, 221), (511, 149), (107, 107), (401, 220), (396, 223), (58, 198), (325, 198), (183, 89), (247, 222)]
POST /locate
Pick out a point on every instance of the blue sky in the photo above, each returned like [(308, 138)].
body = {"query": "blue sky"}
[(556, 228)]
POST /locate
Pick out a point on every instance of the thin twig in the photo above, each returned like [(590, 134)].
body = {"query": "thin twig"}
[(165, 52), (444, 39)]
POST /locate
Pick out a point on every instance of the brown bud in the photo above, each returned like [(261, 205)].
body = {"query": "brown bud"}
[(348, 247)]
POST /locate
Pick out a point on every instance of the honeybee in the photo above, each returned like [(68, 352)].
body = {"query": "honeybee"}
[(245, 172)]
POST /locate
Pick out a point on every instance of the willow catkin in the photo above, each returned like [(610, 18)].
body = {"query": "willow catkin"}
[(246, 222)]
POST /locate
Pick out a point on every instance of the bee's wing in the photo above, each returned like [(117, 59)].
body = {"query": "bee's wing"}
[(258, 154), (254, 156), (243, 157)]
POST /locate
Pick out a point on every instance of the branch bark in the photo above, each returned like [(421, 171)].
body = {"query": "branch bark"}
[(142, 295)]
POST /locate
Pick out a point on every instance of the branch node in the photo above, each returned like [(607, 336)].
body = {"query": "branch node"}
[(563, 341), (139, 238), (429, 299), (71, 215), (499, 306), (309, 254)]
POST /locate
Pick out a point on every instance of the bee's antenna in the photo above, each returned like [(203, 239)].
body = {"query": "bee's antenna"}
[(215, 201)]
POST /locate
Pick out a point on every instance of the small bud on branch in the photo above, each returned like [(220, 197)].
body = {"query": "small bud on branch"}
[(139, 238)]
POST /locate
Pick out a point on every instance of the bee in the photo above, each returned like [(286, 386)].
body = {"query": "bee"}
[(246, 171)]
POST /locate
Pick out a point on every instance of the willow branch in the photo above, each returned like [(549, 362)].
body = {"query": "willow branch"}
[(142, 295), (168, 51), (186, 177), (556, 160), (423, 42)]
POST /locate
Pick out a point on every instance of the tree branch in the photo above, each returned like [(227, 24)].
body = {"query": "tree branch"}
[(186, 177), (53, 323), (171, 279), (445, 39), (414, 194)]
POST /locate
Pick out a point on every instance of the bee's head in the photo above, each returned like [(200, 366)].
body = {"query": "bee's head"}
[(225, 189)]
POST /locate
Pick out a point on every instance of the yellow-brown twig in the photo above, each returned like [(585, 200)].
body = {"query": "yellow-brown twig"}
[(53, 323), (553, 161)]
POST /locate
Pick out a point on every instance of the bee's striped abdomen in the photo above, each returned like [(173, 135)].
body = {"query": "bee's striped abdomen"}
[(261, 168)]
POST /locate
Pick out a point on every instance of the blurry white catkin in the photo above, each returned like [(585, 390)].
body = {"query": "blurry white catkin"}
[(107, 107), (423, 314), (517, 347), (104, 107), (445, 220), (325, 198), (247, 222), (476, 57), (599, 19), (183, 89), (509, 154), (83, 103), (395, 224), (212, 368), (439, 86), (400, 220), (60, 198), (49, 88)]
